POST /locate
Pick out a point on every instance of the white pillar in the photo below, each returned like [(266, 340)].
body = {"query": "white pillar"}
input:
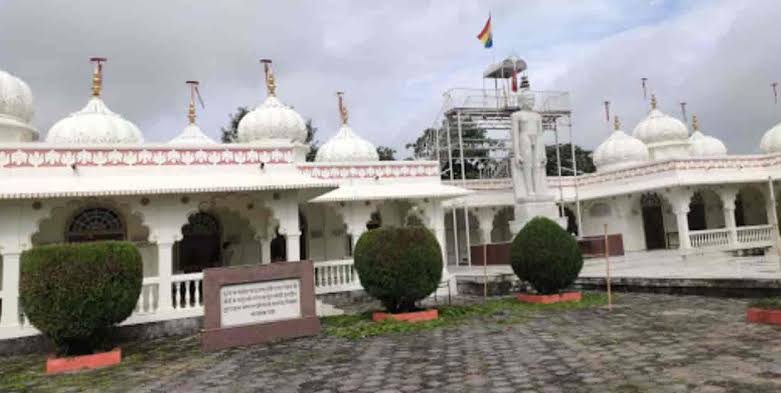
[(164, 273), (682, 220), (10, 299), (728, 201), (293, 244), (265, 251)]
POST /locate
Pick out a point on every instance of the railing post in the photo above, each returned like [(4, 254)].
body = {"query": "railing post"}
[(10, 311)]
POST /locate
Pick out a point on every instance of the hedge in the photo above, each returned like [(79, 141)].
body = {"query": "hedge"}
[(398, 266), (73, 293)]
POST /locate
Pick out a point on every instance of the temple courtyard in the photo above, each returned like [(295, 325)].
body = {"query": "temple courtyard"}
[(648, 343)]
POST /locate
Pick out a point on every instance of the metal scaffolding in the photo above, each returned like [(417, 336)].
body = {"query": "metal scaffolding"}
[(479, 121)]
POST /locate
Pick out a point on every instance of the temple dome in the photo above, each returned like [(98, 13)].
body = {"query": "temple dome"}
[(702, 145), (658, 127), (771, 141), (620, 150), (94, 124), (16, 99), (347, 146), (16, 109), (192, 136), (272, 120)]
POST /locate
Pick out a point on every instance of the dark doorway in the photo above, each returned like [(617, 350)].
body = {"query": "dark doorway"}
[(302, 243), (653, 222), (740, 217), (200, 245), (696, 215), (278, 248)]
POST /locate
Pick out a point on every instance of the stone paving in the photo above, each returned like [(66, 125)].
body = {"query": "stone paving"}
[(649, 343)]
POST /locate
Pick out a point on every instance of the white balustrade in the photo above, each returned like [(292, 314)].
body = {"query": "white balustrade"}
[(710, 238), (756, 235), (336, 276), (148, 300), (187, 291)]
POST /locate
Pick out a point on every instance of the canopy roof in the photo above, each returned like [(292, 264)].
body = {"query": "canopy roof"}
[(21, 187), (368, 192)]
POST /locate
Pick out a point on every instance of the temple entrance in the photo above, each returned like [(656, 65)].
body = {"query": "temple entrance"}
[(653, 222), (200, 247)]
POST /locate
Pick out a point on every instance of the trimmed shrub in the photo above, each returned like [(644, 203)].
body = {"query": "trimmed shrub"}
[(398, 266), (74, 293), (546, 256)]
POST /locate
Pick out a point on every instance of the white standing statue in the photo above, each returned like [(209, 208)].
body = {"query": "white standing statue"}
[(530, 186)]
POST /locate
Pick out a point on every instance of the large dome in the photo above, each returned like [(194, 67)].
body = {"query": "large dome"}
[(16, 99), (347, 146), (94, 124), (702, 145), (16, 109), (620, 150), (272, 120), (771, 141), (659, 128)]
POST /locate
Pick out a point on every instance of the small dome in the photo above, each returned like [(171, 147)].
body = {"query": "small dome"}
[(272, 120), (658, 127), (347, 146), (94, 124), (771, 141), (16, 99), (192, 136), (620, 150), (702, 145)]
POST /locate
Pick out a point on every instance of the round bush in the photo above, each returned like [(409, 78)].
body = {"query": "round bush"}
[(73, 293), (546, 256), (398, 266)]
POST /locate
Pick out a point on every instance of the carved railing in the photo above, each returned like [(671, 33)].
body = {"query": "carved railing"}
[(336, 276), (710, 238), (756, 234), (187, 291)]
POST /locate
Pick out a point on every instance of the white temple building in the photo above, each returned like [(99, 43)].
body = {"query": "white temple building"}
[(194, 203)]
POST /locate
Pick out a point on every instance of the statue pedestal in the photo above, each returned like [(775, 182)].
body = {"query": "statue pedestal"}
[(532, 207)]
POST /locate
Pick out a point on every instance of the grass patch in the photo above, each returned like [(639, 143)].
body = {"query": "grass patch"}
[(506, 310), (767, 303)]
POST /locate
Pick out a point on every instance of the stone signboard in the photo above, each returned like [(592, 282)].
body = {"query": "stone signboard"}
[(252, 304)]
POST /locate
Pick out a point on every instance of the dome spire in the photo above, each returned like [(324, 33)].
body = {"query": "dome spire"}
[(271, 85), (97, 75), (193, 92), (342, 108), (653, 101), (616, 123), (695, 123)]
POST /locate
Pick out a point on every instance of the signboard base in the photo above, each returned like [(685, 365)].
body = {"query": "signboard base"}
[(245, 305)]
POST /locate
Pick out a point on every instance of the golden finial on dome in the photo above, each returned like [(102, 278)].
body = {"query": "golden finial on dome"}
[(616, 123), (193, 92), (695, 123), (97, 75), (653, 101), (271, 85), (342, 109)]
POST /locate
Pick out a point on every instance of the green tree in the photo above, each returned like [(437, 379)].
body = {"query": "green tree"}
[(386, 153), (231, 131), (582, 157)]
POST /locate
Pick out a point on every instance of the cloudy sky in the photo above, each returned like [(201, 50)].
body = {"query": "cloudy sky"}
[(394, 59)]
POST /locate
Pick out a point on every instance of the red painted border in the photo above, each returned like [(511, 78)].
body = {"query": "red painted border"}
[(417, 316), (85, 362), (550, 299), (763, 315)]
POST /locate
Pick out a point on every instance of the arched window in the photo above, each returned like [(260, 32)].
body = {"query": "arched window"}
[(95, 223), (200, 246)]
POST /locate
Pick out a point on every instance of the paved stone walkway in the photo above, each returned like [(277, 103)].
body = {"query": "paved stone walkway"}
[(649, 343)]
